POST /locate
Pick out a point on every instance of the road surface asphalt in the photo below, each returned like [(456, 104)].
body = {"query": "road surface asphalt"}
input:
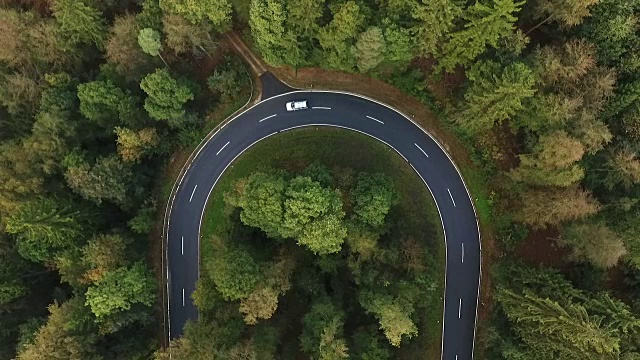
[(348, 111)]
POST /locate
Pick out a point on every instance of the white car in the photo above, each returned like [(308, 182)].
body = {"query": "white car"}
[(297, 105)]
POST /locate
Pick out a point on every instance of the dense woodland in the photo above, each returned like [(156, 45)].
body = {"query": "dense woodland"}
[(549, 109), (95, 97), (314, 262), (97, 94)]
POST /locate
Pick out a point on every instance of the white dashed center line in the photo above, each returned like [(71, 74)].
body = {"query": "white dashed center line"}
[(321, 107), (451, 196), (225, 145), (268, 117), (418, 146), (374, 119), (183, 245), (459, 308), (193, 192), (182, 296)]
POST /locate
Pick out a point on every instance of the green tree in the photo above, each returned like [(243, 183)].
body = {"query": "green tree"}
[(20, 94), (305, 200), (319, 173), (368, 345), (120, 289), (197, 11), (373, 197), (541, 208), (51, 138), (20, 177), (60, 94), (64, 336), (612, 29), (276, 45), (165, 96), (322, 333), (261, 198), (43, 227), (324, 235), (313, 215), (79, 22), (436, 20), (12, 271), (102, 254), (591, 131), (495, 94), (32, 44), (183, 37), (263, 300), (554, 330), (235, 273), (261, 303), (151, 15), (362, 240), (393, 314), (564, 64), (149, 41), (133, 145), (228, 79), (338, 36), (102, 101), (369, 49), (303, 16), (553, 162), (594, 242), (13, 44), (486, 24), (399, 49), (566, 13), (107, 179), (622, 168), (145, 219), (122, 49)]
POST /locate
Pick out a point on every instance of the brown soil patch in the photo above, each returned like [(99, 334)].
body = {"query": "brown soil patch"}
[(541, 249)]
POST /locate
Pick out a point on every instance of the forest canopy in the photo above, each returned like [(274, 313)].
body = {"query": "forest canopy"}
[(98, 97), (296, 256)]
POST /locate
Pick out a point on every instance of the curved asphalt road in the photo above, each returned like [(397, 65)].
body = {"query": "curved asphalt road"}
[(269, 117)]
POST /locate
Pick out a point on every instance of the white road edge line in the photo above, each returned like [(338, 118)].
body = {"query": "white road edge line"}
[(374, 119), (475, 324), (193, 192), (268, 117), (182, 245), (236, 115), (222, 148), (321, 107), (451, 196), (459, 308), (418, 146), (463, 253), (182, 296)]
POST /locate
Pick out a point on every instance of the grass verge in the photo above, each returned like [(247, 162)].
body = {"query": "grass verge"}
[(345, 153)]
